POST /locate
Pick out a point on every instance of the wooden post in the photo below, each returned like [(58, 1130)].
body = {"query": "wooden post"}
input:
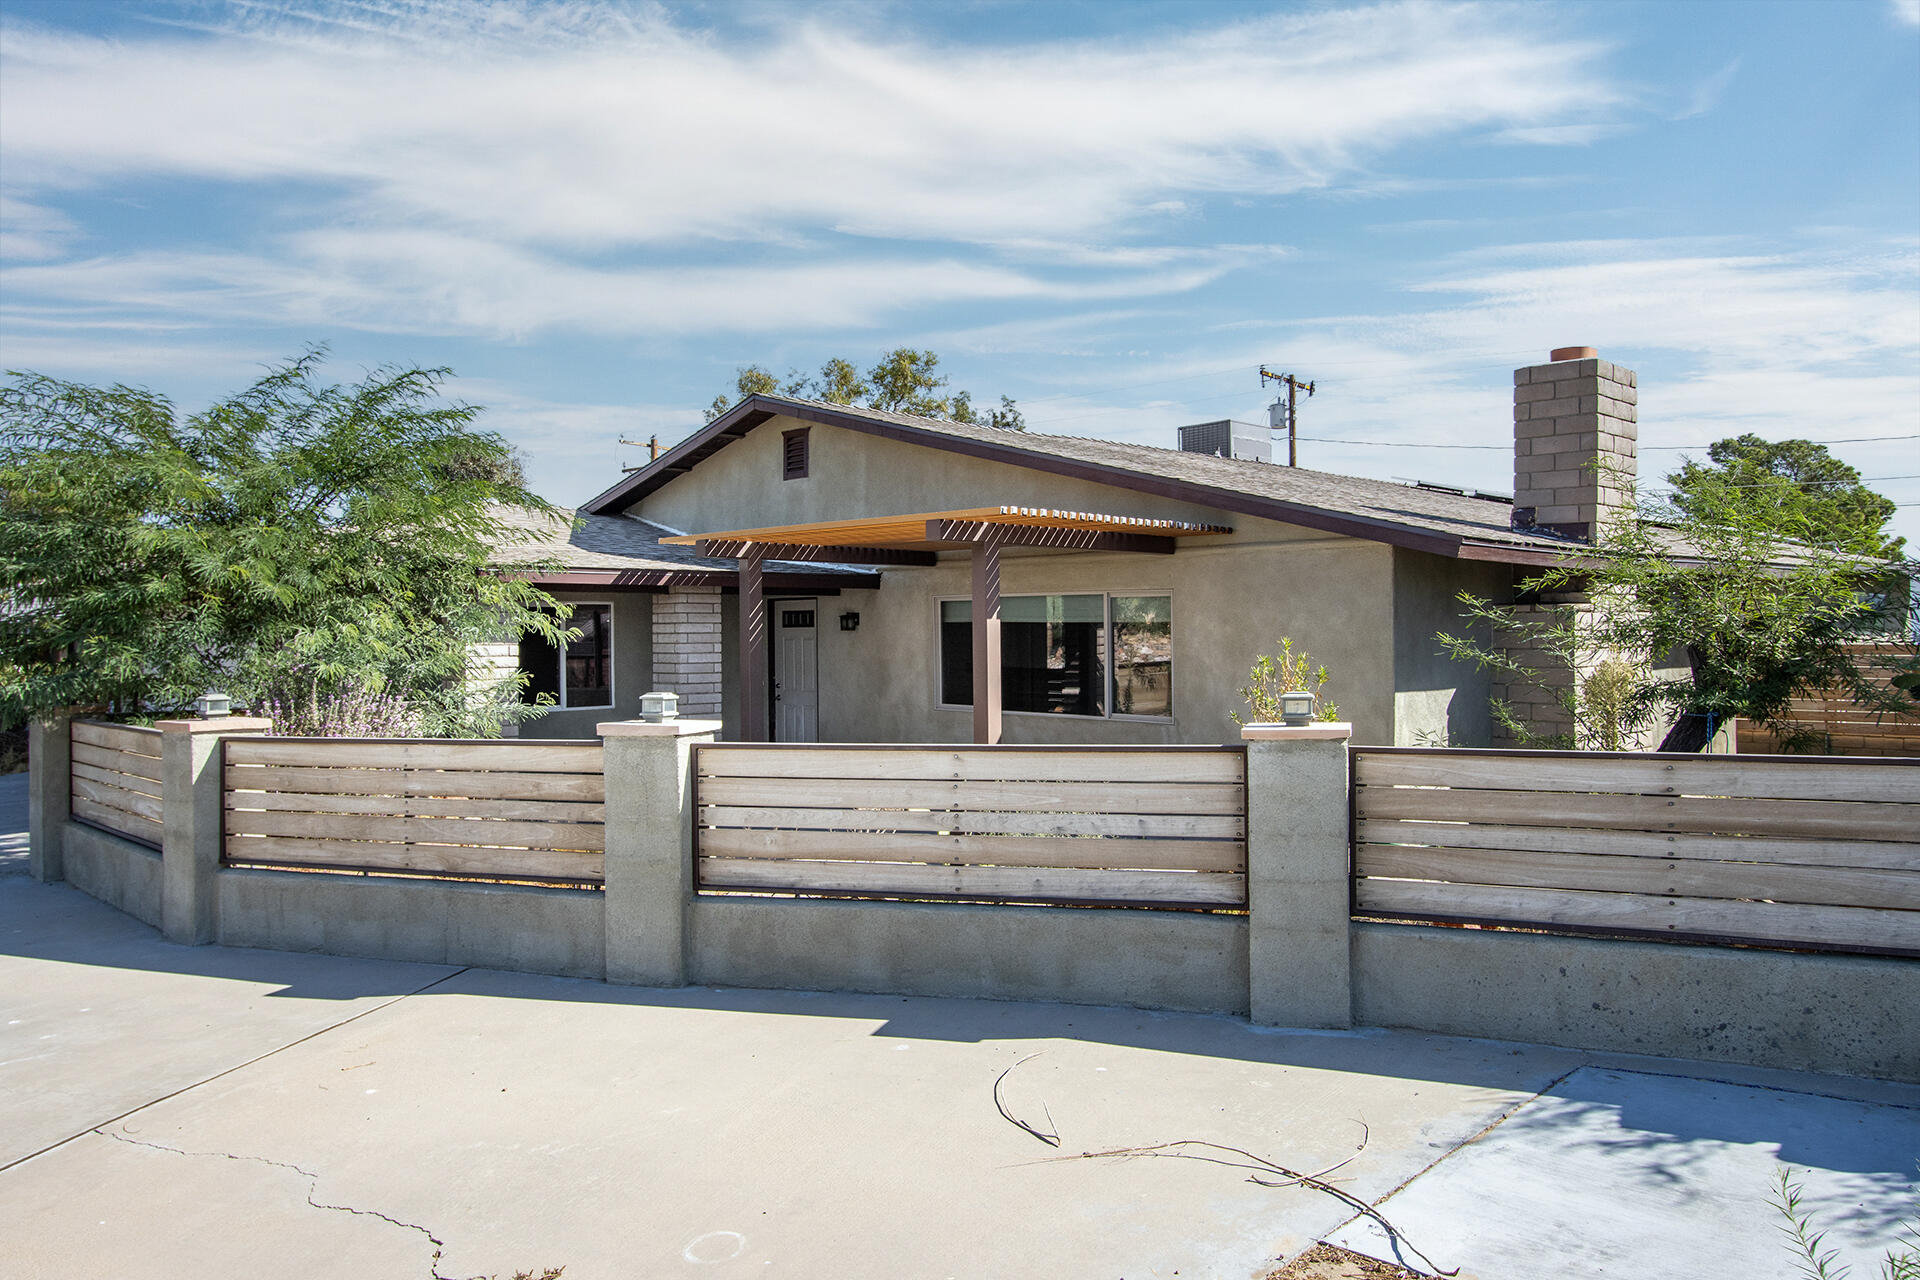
[(753, 647), (987, 695)]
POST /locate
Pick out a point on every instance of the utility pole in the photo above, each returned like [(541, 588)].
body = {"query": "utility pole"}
[(653, 449), (1294, 387)]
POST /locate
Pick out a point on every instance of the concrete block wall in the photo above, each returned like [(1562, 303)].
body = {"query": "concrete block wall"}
[(687, 649), (1575, 443), (1297, 958)]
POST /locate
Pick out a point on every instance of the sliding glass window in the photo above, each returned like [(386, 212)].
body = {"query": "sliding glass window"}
[(1062, 655)]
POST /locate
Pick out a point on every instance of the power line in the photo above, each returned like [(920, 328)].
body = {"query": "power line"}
[(1645, 448)]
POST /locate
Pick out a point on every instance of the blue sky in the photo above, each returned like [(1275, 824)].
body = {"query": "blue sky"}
[(1112, 212)]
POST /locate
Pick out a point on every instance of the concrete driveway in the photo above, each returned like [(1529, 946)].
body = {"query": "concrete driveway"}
[(209, 1112)]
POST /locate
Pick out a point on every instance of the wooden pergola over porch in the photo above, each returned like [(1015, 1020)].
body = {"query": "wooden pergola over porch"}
[(917, 540)]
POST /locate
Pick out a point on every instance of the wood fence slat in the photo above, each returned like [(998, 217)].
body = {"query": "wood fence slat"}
[(910, 880), (132, 739), (511, 754), (1005, 851), (117, 761), (1842, 887), (127, 824), (125, 781), (113, 797), (1204, 826), (1838, 819), (532, 864), (1885, 854), (426, 782), (961, 764), (475, 831), (1704, 776), (1776, 922), (1087, 797), (418, 806)]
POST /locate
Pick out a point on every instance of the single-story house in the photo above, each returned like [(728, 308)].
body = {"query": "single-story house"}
[(807, 571)]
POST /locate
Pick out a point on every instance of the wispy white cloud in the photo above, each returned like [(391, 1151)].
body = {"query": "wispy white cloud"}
[(1707, 94), (1817, 345), (32, 231), (591, 126), (425, 281), (1905, 12)]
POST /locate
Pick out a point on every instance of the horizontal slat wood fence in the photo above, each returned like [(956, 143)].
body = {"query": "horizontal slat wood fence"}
[(1843, 726), (115, 778), (1805, 852), (489, 809), (1088, 825)]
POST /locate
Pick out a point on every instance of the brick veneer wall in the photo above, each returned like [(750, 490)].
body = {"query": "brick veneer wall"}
[(686, 649), (1575, 439)]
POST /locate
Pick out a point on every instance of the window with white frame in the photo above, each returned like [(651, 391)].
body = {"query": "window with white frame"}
[(1076, 655), (579, 673)]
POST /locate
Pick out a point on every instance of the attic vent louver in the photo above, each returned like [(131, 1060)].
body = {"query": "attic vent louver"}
[(793, 454)]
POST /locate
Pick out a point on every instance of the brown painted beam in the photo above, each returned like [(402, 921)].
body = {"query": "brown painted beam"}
[(723, 549), (1016, 535), (987, 691), (753, 651)]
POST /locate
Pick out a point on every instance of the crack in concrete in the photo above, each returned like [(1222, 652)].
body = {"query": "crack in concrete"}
[(313, 1184)]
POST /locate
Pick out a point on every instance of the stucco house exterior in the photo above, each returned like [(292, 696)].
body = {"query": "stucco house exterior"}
[(882, 558)]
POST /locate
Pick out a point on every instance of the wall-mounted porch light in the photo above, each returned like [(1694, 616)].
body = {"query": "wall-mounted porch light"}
[(1296, 708), (659, 706), (849, 622)]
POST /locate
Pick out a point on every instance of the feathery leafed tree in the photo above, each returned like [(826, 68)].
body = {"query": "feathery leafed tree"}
[(301, 544), (901, 381)]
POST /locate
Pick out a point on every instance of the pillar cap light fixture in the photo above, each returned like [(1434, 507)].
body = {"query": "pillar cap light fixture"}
[(1296, 707), (211, 705), (659, 707)]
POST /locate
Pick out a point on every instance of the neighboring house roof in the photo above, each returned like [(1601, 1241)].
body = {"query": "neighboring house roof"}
[(1424, 519), (624, 550)]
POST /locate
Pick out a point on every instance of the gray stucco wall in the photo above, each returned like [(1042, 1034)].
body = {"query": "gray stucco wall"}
[(1150, 959), (1848, 1014), (124, 873), (1234, 595), (1438, 701), (632, 666), (558, 931)]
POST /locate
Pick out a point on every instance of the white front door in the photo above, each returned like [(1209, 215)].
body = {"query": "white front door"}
[(796, 671)]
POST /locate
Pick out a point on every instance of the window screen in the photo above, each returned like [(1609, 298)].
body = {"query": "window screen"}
[(581, 675), (589, 669), (1142, 656)]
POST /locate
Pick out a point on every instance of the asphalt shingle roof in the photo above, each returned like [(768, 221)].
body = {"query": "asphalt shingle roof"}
[(1419, 510)]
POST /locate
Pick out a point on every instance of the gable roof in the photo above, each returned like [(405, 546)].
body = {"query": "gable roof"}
[(1422, 519)]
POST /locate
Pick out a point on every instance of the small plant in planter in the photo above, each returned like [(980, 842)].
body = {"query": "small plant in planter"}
[(1274, 674)]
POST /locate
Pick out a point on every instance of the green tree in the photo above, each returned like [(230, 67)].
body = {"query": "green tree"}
[(1793, 489), (1758, 619), (298, 543), (901, 381)]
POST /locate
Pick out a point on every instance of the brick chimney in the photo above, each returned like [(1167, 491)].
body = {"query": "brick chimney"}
[(1575, 433)]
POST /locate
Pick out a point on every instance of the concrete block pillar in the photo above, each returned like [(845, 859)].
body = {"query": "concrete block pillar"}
[(649, 864), (1299, 962), (192, 827), (49, 795)]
